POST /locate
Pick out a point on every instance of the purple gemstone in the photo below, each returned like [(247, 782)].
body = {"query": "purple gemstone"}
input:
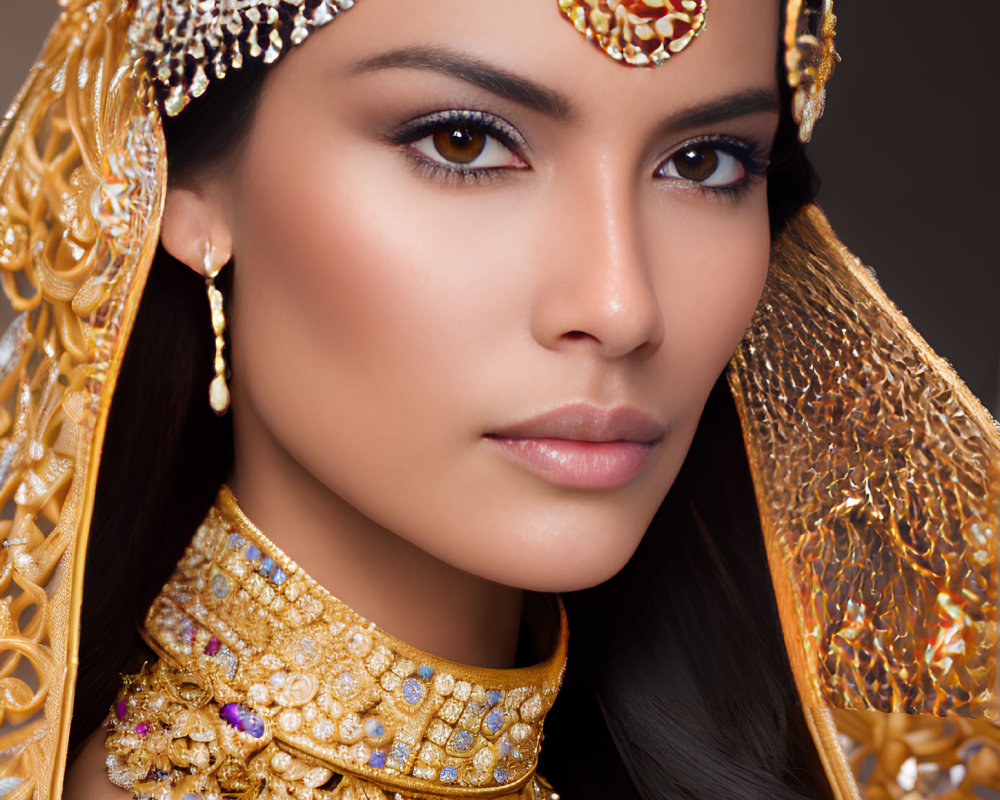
[(243, 719), (120, 709), (212, 647), (142, 729), (230, 712)]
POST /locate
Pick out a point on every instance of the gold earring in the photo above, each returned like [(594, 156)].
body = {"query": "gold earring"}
[(218, 392)]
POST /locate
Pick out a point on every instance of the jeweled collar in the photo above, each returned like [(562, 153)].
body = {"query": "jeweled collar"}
[(266, 679)]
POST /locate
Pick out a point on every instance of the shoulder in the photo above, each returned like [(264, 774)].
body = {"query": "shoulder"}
[(87, 778)]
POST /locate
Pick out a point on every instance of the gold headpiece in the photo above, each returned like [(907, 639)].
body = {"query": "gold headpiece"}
[(642, 33), (883, 544), (188, 41), (810, 56)]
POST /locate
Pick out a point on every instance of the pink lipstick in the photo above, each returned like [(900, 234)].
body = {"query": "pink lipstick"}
[(583, 446)]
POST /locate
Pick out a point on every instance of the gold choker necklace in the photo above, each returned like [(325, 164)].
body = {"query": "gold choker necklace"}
[(269, 687)]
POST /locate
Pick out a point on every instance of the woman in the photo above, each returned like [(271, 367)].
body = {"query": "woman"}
[(483, 281)]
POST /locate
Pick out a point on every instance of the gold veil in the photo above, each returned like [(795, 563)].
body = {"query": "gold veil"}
[(876, 470)]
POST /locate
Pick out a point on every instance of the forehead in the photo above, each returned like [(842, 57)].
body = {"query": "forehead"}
[(737, 49)]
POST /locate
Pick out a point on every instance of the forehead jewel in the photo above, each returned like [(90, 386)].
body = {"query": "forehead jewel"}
[(189, 43), (646, 33), (641, 33)]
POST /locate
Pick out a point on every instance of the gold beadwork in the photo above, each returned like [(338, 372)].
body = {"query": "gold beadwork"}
[(188, 43), (810, 57), (218, 391), (906, 756), (640, 33), (266, 673)]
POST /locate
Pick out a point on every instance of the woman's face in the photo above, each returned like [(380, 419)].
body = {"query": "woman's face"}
[(486, 276)]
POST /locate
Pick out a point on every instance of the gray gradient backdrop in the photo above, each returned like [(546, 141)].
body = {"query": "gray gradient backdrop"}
[(907, 151)]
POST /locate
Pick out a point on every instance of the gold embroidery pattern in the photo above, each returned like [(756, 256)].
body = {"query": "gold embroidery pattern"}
[(80, 155), (266, 676)]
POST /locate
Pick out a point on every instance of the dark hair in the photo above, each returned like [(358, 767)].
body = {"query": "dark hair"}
[(705, 708)]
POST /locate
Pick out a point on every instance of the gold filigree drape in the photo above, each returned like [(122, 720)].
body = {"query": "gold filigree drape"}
[(80, 198)]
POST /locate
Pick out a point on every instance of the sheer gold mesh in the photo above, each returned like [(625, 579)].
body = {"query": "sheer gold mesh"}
[(876, 477)]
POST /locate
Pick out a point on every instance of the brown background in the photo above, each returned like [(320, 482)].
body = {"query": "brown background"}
[(908, 151)]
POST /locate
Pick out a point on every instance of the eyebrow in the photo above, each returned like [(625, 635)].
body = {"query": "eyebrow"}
[(536, 97), (522, 91), (738, 104)]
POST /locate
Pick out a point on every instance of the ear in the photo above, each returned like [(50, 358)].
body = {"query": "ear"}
[(192, 223)]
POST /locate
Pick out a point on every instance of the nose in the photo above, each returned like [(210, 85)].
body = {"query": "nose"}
[(596, 289)]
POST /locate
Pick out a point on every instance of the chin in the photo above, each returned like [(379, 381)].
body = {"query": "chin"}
[(579, 560)]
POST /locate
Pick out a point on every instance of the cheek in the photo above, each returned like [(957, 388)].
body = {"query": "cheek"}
[(710, 280)]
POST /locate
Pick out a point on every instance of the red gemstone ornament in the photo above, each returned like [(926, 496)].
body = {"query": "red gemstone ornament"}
[(642, 33)]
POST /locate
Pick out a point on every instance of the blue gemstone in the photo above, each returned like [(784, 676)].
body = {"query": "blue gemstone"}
[(374, 728), (426, 672), (236, 542), (463, 741), (378, 759), (399, 751), (493, 721), (252, 553), (448, 775), (493, 697), (413, 691), (500, 775), (279, 576), (243, 719), (266, 567), (220, 585), (253, 724)]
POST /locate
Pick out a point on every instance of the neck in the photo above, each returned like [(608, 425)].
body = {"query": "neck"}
[(404, 590)]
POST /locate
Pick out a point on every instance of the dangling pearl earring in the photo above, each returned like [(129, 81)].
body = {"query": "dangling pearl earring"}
[(218, 392)]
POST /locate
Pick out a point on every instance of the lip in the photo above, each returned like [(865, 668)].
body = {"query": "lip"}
[(582, 446)]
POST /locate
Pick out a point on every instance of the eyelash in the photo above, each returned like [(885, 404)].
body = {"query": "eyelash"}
[(754, 163), (492, 126)]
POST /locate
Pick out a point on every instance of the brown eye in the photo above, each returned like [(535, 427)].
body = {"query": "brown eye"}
[(470, 143), (460, 145), (707, 164), (697, 163)]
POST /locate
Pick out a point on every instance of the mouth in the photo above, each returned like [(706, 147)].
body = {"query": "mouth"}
[(582, 446)]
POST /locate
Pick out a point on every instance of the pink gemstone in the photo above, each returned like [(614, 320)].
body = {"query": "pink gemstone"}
[(212, 647), (120, 709), (142, 729)]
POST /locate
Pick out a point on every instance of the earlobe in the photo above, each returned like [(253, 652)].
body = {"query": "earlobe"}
[(191, 224)]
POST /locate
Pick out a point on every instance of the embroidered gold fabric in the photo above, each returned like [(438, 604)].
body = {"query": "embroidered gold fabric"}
[(81, 189), (267, 679), (876, 474)]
